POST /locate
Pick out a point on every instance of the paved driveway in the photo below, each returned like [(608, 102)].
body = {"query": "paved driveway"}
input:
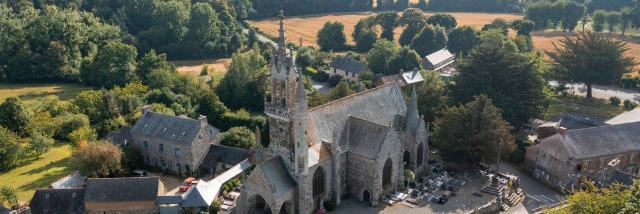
[(537, 194), (605, 92)]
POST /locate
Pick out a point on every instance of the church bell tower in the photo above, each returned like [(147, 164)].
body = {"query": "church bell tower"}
[(287, 108)]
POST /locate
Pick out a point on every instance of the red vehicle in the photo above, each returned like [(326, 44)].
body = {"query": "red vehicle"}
[(187, 183)]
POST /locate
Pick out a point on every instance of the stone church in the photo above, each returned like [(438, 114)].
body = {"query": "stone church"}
[(355, 147)]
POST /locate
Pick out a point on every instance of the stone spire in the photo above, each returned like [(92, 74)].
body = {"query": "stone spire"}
[(282, 41), (412, 112)]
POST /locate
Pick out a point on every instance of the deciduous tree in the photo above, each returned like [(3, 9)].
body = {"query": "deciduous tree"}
[(98, 159), (10, 150), (387, 21), (331, 36), (429, 40), (447, 21), (240, 137), (462, 39), (15, 116)]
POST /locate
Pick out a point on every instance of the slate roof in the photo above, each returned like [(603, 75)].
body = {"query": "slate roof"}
[(366, 138), (204, 193), (224, 154), (593, 142), (379, 105), (169, 199), (122, 137), (626, 117), (348, 64), (276, 175), (74, 180), (4, 210), (622, 178), (121, 189), (172, 128), (403, 79), (58, 201), (439, 57)]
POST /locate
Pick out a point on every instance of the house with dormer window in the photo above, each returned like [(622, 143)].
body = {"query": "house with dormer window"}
[(173, 143)]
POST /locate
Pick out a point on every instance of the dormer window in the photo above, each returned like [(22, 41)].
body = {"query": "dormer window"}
[(164, 130), (184, 133)]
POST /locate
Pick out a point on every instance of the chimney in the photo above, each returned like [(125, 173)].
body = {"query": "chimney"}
[(563, 131), (146, 109), (203, 120)]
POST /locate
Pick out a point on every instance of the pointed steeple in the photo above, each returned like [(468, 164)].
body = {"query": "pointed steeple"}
[(282, 41), (412, 111), (301, 94)]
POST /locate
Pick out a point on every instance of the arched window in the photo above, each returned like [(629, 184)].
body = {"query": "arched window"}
[(386, 173), (420, 154), (318, 182), (407, 159)]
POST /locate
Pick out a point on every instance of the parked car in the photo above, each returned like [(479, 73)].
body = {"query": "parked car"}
[(139, 173), (186, 184)]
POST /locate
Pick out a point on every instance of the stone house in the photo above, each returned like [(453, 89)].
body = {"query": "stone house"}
[(347, 67), (567, 159), (51, 201), (356, 146), (176, 144), (441, 61), (122, 195)]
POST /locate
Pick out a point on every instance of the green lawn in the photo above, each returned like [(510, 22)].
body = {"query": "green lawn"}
[(596, 107), (40, 173), (32, 94)]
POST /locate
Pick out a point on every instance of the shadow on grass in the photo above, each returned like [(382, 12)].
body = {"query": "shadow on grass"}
[(60, 163), (44, 181)]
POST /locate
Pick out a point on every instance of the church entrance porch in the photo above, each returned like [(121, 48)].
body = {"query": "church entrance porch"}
[(260, 206)]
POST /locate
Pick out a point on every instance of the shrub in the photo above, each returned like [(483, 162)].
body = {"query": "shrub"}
[(70, 123), (40, 144), (98, 159), (330, 205), (240, 137), (82, 134), (629, 105), (614, 101), (334, 80), (205, 70), (241, 118)]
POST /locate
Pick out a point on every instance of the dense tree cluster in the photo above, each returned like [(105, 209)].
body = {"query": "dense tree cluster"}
[(44, 41), (474, 5), (387, 59), (565, 14), (613, 199), (269, 8), (245, 84), (510, 77), (240, 137), (331, 36), (471, 133)]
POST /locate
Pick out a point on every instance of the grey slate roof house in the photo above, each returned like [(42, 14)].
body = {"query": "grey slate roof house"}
[(441, 61), (358, 145), (347, 67), (53, 201), (122, 195), (566, 159), (176, 144), (220, 158)]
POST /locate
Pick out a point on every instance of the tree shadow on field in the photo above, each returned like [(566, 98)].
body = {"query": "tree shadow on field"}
[(60, 163), (43, 181)]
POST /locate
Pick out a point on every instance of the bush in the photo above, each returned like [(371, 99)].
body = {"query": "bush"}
[(240, 137), (83, 134), (614, 101), (40, 144), (334, 80), (330, 205), (629, 105), (205, 70), (241, 118)]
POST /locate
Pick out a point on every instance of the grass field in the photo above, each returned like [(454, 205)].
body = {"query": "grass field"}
[(32, 94), (306, 27), (598, 108), (53, 165)]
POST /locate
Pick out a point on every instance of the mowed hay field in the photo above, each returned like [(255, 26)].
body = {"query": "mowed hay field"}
[(32, 94), (306, 27)]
